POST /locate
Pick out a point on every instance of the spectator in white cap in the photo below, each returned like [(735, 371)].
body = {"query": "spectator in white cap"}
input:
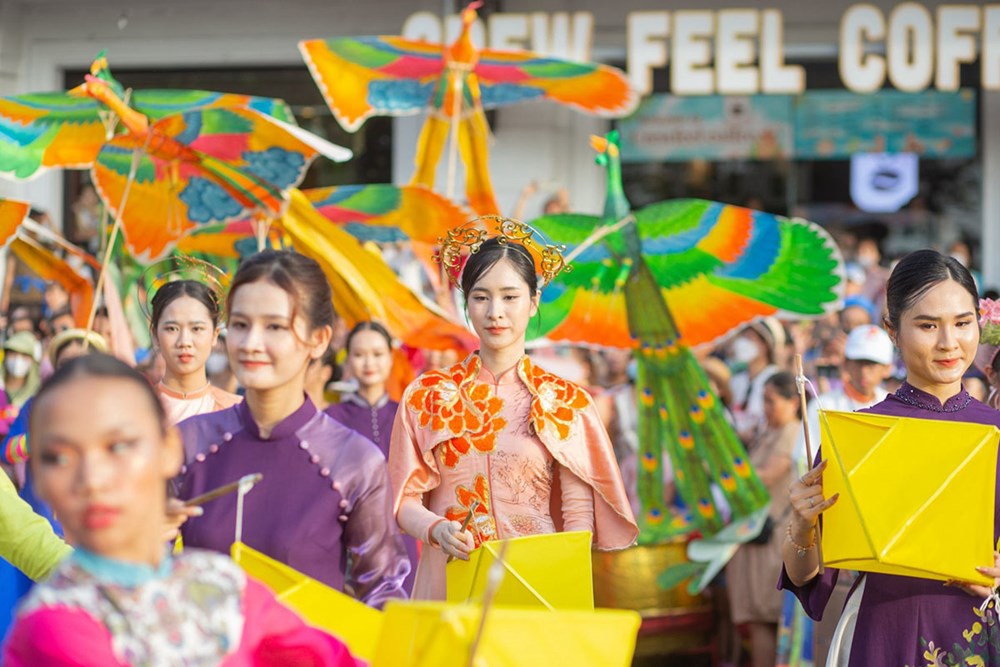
[(868, 356)]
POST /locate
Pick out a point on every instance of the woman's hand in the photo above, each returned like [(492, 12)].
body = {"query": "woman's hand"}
[(177, 514), (977, 590), (454, 541), (806, 496)]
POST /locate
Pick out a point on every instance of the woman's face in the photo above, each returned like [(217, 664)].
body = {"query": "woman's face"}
[(779, 410), (938, 337), (268, 348), (185, 335), (101, 460), (500, 307), (370, 358)]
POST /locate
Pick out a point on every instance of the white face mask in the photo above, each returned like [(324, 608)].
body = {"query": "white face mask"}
[(216, 363), (743, 351), (18, 366)]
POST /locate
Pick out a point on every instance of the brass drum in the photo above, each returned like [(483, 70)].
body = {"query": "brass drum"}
[(673, 621)]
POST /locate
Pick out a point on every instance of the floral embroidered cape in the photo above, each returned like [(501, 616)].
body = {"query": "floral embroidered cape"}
[(451, 415)]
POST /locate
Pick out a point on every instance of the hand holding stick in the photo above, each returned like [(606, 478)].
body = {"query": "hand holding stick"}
[(800, 381), (223, 490), (465, 524)]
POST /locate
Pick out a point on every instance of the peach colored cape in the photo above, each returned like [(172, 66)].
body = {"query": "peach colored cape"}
[(448, 414)]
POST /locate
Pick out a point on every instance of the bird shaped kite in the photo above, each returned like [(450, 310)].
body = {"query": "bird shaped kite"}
[(12, 214), (389, 75), (169, 161), (663, 279)]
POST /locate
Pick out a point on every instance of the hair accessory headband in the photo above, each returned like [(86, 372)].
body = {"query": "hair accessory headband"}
[(182, 267), (548, 257)]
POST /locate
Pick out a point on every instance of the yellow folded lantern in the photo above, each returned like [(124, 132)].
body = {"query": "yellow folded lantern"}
[(551, 571), (916, 495), (354, 623), (436, 634)]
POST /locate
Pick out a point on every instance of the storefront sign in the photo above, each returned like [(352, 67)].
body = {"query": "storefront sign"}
[(742, 51), (674, 128), (836, 124)]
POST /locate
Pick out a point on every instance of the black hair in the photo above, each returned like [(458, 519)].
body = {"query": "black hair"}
[(491, 252), (98, 365), (62, 312), (368, 325), (57, 352), (784, 384), (916, 274), (174, 290), (300, 276)]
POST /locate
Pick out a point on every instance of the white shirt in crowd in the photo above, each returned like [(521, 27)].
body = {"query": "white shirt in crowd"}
[(832, 400)]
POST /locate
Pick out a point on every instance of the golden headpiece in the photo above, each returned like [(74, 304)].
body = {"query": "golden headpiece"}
[(548, 257), (183, 267)]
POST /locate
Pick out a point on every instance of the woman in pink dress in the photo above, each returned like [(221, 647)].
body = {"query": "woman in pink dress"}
[(496, 430), (185, 324), (103, 453)]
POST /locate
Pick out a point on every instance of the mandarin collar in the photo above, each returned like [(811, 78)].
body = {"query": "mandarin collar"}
[(358, 399), (918, 398), (283, 429), (119, 572), (509, 376)]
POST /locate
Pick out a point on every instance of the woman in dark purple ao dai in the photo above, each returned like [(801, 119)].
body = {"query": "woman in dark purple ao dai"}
[(892, 620)]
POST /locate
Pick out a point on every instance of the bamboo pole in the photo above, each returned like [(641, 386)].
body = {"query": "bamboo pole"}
[(800, 381)]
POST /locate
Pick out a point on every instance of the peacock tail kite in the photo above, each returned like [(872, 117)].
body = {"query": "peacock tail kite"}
[(671, 276), (192, 157), (390, 75)]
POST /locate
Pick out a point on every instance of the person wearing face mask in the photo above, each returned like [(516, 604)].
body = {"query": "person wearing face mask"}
[(20, 367), (755, 350)]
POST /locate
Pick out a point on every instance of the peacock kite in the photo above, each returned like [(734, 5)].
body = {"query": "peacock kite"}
[(390, 75), (663, 279), (171, 160)]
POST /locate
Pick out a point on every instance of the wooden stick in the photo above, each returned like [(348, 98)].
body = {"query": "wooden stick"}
[(468, 519), (223, 490), (800, 380), (136, 154)]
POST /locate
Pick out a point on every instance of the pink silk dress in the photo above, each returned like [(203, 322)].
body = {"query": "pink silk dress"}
[(527, 445), (181, 406)]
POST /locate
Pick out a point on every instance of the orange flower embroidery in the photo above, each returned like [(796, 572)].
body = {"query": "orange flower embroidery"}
[(555, 401), (482, 526), (452, 402)]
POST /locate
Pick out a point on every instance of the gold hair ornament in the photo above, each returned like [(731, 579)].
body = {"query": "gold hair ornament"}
[(549, 257), (183, 267)]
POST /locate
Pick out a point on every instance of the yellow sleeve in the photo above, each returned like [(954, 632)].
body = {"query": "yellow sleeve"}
[(27, 540)]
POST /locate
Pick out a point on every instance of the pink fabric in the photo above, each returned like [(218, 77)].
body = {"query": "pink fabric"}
[(274, 635), (180, 407), (517, 479), (59, 637)]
